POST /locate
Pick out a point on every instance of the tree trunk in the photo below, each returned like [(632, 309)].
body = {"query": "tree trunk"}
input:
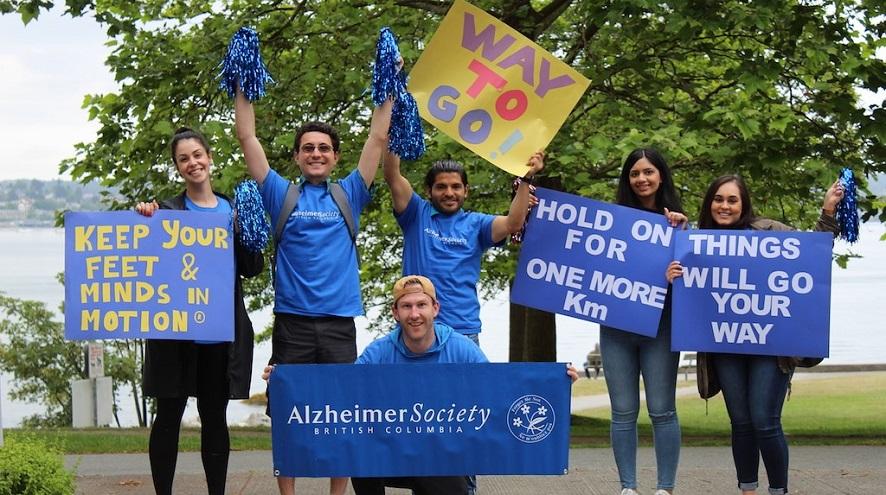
[(534, 332), (533, 335)]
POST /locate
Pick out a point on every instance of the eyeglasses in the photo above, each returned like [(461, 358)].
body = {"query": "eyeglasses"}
[(309, 148)]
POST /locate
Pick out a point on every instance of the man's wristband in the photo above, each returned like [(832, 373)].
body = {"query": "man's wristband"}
[(528, 179)]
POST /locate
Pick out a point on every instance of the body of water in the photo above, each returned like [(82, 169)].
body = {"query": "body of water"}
[(31, 258)]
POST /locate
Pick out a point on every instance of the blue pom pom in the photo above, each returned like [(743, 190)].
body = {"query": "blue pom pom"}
[(406, 136), (385, 78), (252, 223), (847, 209), (244, 66)]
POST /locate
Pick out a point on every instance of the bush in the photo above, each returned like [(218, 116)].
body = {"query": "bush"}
[(30, 467)]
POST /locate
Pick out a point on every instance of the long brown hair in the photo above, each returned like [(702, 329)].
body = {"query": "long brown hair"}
[(706, 220)]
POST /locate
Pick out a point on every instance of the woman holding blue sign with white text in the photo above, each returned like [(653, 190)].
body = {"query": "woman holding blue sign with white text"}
[(645, 183), (754, 386), (213, 372)]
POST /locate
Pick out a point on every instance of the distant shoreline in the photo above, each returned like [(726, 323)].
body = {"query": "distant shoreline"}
[(36, 225)]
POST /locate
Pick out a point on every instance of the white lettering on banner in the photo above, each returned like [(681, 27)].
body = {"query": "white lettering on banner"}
[(418, 429), (568, 214), (624, 288), (344, 430), (595, 244), (551, 272), (801, 283), (758, 304), (327, 415), (750, 246), (643, 230), (739, 333), (576, 303), (694, 276)]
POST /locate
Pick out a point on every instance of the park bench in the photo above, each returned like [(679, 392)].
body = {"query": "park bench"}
[(688, 362), (594, 362)]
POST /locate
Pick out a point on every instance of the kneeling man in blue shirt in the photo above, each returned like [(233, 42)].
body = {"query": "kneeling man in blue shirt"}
[(417, 338)]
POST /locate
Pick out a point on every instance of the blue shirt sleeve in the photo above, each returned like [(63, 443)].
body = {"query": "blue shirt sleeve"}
[(273, 192), (485, 230), (372, 354), (407, 216), (358, 194)]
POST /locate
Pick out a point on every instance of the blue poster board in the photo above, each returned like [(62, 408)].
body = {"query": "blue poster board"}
[(170, 276), (595, 261), (753, 292), (373, 420)]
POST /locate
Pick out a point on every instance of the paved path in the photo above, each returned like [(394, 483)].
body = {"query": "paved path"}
[(703, 470)]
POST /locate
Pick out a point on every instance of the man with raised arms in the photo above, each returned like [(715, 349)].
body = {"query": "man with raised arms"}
[(445, 243), (317, 280)]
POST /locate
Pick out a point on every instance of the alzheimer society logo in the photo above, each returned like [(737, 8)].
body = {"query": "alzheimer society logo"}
[(531, 418)]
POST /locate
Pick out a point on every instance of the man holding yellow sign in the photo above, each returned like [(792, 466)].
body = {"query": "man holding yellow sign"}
[(502, 96), (445, 243)]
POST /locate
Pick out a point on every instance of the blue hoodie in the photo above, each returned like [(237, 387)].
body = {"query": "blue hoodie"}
[(449, 347)]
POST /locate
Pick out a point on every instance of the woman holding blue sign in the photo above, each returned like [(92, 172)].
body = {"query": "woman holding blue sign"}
[(213, 372), (754, 386), (645, 183)]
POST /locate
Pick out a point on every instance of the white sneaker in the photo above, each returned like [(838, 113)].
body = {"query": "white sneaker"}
[(661, 492), (629, 491)]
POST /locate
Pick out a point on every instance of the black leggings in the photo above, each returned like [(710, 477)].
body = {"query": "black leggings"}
[(215, 444)]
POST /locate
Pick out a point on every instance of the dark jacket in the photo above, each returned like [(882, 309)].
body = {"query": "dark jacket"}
[(170, 365), (708, 384)]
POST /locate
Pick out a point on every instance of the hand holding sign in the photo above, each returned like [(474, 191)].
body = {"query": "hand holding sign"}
[(752, 292), (128, 276), (595, 261)]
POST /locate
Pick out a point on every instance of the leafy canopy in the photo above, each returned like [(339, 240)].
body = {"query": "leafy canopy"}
[(764, 89)]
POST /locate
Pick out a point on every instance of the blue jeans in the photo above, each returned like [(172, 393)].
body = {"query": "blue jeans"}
[(754, 389), (625, 356)]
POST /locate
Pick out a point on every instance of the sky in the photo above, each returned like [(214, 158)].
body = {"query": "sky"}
[(46, 68)]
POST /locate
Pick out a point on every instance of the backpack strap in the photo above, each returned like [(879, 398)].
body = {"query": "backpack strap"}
[(338, 195), (341, 200), (289, 202)]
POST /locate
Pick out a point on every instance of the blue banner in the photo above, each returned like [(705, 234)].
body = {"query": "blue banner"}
[(753, 292), (373, 420), (595, 261), (170, 276)]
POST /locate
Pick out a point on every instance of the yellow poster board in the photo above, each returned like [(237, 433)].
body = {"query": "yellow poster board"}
[(492, 89)]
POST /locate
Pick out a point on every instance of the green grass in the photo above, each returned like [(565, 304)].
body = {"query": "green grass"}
[(845, 410), (589, 386), (133, 440), (592, 386)]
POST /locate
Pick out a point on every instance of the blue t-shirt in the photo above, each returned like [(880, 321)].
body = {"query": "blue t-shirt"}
[(448, 347), (447, 249), (317, 273), (222, 207)]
